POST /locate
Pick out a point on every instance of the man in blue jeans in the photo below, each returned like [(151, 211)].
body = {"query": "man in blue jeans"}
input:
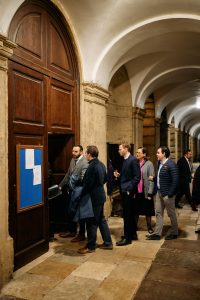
[(93, 184), (167, 182)]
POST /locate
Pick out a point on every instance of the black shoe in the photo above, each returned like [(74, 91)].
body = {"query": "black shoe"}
[(123, 242), (178, 206), (134, 237), (153, 237), (194, 207), (171, 237)]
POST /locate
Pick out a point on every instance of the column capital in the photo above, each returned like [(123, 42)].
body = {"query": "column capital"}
[(6, 51), (94, 93), (139, 112)]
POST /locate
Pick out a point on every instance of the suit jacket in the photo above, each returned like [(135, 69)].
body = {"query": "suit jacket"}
[(148, 185), (196, 187), (93, 182), (168, 179), (130, 175), (75, 173), (184, 171)]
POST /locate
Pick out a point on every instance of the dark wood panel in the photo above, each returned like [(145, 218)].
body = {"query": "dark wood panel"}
[(28, 128), (28, 31), (28, 102), (58, 57), (61, 107), (31, 226)]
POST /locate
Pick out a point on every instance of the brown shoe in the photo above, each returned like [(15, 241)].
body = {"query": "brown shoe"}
[(78, 238), (85, 250), (67, 234)]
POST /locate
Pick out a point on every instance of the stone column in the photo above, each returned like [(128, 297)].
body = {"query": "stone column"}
[(6, 242), (178, 144), (138, 116), (157, 139), (171, 140), (93, 118)]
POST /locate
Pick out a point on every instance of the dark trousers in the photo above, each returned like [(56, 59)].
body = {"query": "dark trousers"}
[(129, 216), (184, 189), (92, 225)]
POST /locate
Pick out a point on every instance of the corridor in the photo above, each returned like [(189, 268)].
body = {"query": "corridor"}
[(144, 270)]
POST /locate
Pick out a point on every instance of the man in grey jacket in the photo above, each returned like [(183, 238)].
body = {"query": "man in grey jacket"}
[(73, 178), (167, 182)]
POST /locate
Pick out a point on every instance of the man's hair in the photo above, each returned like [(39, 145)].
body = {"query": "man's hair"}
[(186, 151), (80, 147), (165, 149), (92, 150), (126, 145)]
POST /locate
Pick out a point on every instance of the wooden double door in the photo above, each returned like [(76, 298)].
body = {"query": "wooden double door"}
[(43, 84)]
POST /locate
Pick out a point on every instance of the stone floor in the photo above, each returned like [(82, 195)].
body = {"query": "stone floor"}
[(144, 270)]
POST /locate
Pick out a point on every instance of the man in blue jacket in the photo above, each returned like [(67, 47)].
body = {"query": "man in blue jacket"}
[(167, 182)]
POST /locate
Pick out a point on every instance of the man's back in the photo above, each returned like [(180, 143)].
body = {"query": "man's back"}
[(184, 170)]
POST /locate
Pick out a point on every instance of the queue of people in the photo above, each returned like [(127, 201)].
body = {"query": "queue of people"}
[(142, 193)]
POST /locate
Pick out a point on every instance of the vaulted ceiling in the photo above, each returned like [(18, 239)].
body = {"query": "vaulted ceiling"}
[(158, 42)]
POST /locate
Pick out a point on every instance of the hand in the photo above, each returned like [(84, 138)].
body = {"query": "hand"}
[(151, 178), (116, 174)]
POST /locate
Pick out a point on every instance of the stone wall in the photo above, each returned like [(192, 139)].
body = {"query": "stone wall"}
[(6, 242), (119, 112)]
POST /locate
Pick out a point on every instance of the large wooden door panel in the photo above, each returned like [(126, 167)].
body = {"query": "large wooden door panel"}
[(61, 107), (43, 100), (28, 91)]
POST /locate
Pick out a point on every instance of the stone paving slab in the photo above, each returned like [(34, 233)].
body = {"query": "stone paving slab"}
[(53, 269), (178, 258), (183, 245), (115, 289), (174, 274), (73, 288), (30, 286), (158, 290)]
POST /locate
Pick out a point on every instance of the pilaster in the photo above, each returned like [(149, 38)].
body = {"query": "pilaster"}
[(157, 139), (138, 117), (93, 117), (172, 141), (6, 242)]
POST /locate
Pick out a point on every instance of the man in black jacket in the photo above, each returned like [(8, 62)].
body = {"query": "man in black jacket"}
[(185, 176), (93, 184), (167, 181), (129, 179)]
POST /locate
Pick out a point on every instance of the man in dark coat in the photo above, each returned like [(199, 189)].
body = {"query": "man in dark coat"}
[(129, 179), (93, 184), (185, 175), (74, 176), (167, 181)]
